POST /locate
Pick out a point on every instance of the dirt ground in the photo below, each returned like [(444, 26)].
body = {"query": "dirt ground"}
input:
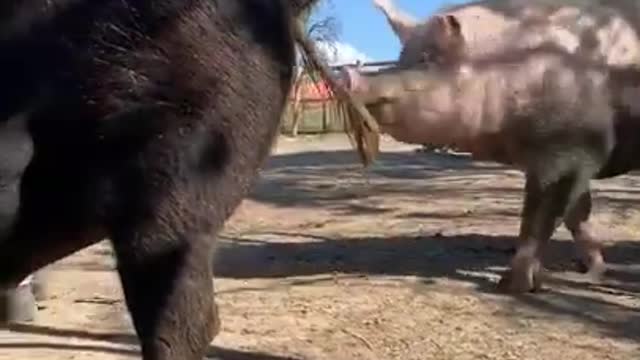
[(325, 261)]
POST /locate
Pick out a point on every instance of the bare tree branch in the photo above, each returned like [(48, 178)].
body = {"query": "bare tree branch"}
[(321, 30)]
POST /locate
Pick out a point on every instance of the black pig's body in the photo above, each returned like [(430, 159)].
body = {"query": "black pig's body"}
[(144, 122)]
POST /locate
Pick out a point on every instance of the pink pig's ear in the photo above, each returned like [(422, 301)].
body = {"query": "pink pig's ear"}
[(454, 25), (449, 25), (449, 40)]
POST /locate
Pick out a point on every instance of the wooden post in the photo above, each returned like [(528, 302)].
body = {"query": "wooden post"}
[(324, 116), (295, 117)]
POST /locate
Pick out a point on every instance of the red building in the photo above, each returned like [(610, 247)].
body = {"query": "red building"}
[(319, 91)]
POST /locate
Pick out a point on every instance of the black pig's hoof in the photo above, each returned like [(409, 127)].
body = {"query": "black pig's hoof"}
[(17, 305), (39, 286)]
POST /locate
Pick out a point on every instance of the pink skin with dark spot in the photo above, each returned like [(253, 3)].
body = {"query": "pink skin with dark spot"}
[(607, 33)]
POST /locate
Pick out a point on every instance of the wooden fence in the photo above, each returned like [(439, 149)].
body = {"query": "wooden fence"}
[(310, 109)]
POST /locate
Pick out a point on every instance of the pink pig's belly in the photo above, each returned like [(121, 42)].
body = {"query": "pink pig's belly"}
[(483, 147), (426, 126)]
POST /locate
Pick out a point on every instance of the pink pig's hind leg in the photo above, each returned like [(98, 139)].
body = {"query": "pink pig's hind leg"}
[(545, 205), (587, 243)]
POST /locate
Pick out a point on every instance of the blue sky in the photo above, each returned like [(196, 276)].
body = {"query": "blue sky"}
[(364, 28)]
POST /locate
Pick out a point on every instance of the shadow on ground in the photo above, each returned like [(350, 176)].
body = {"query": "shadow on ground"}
[(471, 258), (112, 343), (333, 179), (321, 178), (270, 255)]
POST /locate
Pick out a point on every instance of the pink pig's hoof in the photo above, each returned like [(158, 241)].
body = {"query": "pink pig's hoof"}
[(596, 274), (521, 283), (597, 268)]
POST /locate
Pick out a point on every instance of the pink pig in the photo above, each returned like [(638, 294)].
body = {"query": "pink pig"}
[(560, 118)]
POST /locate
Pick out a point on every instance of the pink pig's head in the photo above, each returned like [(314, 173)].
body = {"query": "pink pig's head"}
[(438, 41)]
